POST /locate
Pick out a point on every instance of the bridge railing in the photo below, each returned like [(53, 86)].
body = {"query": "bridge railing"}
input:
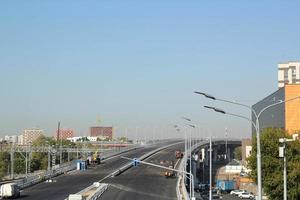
[(33, 179), (181, 190)]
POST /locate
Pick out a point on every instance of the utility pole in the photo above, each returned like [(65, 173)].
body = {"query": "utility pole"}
[(12, 162), (77, 155), (226, 133), (190, 141), (29, 160), (49, 158), (60, 145), (69, 153), (282, 153), (210, 169), (26, 161)]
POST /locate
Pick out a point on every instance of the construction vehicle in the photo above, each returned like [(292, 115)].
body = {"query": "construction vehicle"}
[(170, 173), (96, 160), (178, 154)]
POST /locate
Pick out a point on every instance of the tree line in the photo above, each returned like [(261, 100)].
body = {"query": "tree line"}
[(272, 164)]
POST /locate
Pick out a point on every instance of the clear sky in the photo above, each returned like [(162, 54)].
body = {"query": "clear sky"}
[(136, 63)]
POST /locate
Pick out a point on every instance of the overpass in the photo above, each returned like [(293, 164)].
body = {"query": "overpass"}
[(142, 182)]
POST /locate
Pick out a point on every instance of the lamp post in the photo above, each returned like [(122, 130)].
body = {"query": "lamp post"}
[(190, 149), (185, 159), (283, 154), (210, 168), (256, 125), (226, 133)]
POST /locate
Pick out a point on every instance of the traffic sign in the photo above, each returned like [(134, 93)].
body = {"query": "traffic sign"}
[(135, 162)]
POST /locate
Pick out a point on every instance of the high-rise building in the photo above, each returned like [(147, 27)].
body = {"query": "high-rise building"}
[(102, 131), (288, 73), (30, 135), (11, 139), (63, 134), (285, 115), (20, 140)]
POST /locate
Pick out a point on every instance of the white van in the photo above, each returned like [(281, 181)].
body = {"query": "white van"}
[(9, 190)]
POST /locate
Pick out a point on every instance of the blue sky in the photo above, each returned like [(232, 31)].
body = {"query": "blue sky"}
[(137, 63)]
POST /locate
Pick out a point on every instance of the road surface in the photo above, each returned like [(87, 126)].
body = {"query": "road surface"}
[(144, 181), (72, 183)]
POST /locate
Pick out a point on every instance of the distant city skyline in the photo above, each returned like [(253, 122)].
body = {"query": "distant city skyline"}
[(136, 64)]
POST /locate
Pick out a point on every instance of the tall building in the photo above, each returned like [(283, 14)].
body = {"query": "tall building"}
[(63, 134), (288, 73), (30, 135), (11, 139), (20, 140), (285, 115), (101, 131)]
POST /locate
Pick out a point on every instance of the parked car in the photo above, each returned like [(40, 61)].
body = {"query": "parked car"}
[(246, 195), (237, 192), (216, 197), (9, 190)]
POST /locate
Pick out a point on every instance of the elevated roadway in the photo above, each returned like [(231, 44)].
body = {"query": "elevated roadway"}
[(144, 181), (72, 183)]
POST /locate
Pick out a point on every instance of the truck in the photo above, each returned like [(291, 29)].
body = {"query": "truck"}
[(170, 173), (9, 190), (178, 154), (226, 185)]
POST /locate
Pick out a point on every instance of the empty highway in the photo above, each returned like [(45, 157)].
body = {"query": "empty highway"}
[(144, 181), (74, 182)]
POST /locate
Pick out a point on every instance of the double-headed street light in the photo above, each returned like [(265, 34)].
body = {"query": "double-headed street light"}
[(210, 160), (256, 126), (189, 144), (186, 144)]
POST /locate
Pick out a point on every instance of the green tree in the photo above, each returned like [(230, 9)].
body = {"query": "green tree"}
[(272, 165), (4, 162), (238, 153)]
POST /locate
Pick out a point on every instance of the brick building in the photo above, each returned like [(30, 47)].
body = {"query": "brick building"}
[(101, 131), (63, 134), (30, 135)]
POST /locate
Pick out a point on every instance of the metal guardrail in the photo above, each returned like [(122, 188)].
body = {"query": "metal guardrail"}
[(32, 180), (65, 167)]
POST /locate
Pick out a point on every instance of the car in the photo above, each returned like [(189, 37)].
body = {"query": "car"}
[(237, 192), (246, 195), (216, 197), (10, 190)]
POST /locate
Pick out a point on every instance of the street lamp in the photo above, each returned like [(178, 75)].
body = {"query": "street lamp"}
[(256, 125), (282, 154), (190, 148), (185, 159)]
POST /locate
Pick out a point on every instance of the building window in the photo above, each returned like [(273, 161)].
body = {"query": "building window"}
[(293, 68), (286, 74)]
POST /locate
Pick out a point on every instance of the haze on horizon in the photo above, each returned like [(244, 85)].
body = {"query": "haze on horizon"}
[(136, 64)]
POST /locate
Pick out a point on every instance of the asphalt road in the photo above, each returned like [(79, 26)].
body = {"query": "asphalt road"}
[(230, 197), (72, 183), (144, 181)]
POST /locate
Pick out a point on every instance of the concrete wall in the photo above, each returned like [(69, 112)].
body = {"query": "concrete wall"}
[(286, 115), (274, 116)]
